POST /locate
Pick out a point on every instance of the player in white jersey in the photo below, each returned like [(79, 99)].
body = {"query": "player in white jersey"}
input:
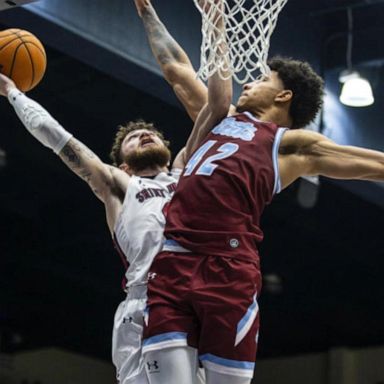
[(134, 195), (138, 234), (137, 228)]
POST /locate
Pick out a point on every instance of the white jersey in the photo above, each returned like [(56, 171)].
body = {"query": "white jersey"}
[(140, 225), (139, 237)]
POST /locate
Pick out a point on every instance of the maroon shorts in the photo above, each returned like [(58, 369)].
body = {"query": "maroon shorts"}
[(206, 302)]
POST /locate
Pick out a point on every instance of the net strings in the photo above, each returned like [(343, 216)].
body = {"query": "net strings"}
[(248, 29)]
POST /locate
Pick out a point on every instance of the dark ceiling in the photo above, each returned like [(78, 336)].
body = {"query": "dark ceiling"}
[(60, 276)]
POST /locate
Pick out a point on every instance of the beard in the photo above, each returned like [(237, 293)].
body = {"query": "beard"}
[(151, 157)]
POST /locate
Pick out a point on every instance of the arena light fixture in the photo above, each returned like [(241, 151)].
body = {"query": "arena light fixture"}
[(356, 90)]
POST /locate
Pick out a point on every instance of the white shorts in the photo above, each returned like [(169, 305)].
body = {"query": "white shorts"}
[(127, 338)]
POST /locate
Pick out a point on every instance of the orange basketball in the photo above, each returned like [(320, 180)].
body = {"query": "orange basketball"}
[(22, 58)]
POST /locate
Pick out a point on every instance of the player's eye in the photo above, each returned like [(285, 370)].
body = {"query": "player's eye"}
[(130, 137)]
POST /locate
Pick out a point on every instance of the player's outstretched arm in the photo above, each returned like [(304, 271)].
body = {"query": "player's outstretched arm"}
[(81, 160), (102, 178), (315, 154), (345, 162), (219, 93), (173, 61)]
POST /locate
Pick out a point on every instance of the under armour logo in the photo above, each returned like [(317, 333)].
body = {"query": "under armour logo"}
[(152, 366), (234, 243), (151, 275)]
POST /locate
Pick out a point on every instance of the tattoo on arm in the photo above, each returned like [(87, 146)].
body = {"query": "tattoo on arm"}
[(81, 148), (163, 45), (74, 155), (70, 157)]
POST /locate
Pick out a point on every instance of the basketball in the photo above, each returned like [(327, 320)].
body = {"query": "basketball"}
[(22, 58)]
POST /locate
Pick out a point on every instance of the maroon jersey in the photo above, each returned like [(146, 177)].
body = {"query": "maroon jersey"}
[(224, 188)]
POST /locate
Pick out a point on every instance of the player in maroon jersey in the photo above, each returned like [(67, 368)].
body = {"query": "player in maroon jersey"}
[(204, 286)]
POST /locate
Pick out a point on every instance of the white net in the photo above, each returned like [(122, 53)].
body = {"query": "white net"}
[(249, 25)]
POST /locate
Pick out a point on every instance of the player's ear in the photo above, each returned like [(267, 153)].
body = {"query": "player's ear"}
[(284, 96)]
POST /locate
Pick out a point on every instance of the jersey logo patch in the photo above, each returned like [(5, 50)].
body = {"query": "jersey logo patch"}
[(236, 129), (148, 193)]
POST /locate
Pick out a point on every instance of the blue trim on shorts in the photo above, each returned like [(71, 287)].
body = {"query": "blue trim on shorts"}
[(171, 245), (227, 363), (171, 242), (168, 336), (250, 311)]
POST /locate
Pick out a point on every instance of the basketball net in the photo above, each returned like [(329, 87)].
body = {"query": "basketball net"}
[(249, 25)]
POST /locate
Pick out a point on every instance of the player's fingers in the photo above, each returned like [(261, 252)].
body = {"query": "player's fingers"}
[(206, 5), (141, 5), (5, 84)]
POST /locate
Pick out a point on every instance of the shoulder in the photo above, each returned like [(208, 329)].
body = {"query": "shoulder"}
[(300, 140), (175, 173), (300, 134), (117, 172), (166, 178), (120, 179)]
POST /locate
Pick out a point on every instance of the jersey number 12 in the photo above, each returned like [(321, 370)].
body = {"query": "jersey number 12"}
[(208, 166)]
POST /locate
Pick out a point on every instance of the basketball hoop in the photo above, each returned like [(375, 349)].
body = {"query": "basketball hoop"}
[(248, 29)]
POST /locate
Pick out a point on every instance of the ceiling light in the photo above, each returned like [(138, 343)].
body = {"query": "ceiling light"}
[(356, 91)]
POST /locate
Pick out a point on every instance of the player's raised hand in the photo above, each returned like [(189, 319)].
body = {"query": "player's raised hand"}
[(141, 5), (208, 6), (213, 11), (6, 84)]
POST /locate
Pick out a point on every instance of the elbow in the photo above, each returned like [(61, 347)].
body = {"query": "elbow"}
[(172, 71)]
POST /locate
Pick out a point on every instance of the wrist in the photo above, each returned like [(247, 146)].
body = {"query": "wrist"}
[(147, 9), (12, 93)]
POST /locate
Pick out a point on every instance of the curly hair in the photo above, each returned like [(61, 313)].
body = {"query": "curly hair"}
[(123, 131), (307, 88)]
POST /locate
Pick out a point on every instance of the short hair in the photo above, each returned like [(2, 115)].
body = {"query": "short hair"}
[(306, 85), (124, 130)]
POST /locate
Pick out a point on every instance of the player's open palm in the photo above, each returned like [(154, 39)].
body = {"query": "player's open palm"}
[(5, 85)]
